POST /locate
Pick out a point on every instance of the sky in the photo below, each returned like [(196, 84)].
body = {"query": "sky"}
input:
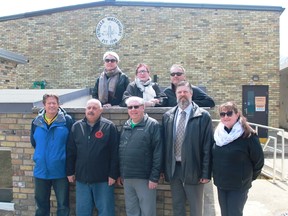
[(12, 7)]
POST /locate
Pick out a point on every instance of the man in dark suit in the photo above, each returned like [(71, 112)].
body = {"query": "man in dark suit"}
[(188, 140)]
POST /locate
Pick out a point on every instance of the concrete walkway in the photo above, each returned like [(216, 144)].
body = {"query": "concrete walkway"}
[(264, 199)]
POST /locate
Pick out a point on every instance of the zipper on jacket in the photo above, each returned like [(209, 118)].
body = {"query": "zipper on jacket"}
[(130, 135)]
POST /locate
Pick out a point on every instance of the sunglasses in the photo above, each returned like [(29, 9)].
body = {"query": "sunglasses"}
[(110, 60), (135, 107), (176, 73), (229, 114)]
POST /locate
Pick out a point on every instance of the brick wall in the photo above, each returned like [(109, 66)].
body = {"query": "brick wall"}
[(221, 49), (8, 74)]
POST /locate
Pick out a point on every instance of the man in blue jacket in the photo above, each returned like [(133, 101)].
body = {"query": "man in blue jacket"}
[(92, 160), (49, 135)]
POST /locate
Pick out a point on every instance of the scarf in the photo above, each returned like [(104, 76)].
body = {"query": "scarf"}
[(222, 137), (107, 84), (147, 89)]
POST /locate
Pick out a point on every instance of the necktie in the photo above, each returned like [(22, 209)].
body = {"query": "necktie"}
[(180, 134)]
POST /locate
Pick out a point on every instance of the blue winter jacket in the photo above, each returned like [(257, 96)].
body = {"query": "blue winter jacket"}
[(50, 145)]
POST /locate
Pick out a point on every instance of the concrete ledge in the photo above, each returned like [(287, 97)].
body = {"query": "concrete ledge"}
[(7, 206)]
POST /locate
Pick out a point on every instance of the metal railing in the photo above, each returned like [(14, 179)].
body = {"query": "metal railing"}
[(276, 132)]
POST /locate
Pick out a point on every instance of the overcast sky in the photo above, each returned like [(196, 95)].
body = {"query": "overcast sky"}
[(11, 7)]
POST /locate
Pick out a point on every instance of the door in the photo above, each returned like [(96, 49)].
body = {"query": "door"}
[(255, 106)]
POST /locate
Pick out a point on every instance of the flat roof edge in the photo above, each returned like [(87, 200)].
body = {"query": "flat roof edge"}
[(11, 56), (142, 4)]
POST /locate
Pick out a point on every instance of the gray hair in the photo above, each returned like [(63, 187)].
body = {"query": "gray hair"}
[(136, 99), (178, 66), (111, 53), (94, 101)]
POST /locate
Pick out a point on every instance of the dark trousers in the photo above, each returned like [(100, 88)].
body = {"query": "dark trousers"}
[(232, 201), (43, 192)]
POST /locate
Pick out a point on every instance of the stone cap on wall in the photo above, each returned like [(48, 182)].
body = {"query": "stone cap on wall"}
[(25, 100)]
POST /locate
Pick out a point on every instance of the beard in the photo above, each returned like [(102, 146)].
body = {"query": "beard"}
[(184, 102)]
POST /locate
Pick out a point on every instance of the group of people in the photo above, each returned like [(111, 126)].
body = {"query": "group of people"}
[(112, 87), (184, 149)]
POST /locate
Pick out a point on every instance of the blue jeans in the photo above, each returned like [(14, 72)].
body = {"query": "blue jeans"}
[(43, 192), (99, 194)]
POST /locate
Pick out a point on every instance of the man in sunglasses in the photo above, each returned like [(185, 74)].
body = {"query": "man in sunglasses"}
[(140, 156), (188, 141), (112, 82), (177, 74)]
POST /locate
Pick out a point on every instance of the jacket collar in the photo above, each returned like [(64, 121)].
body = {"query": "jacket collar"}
[(96, 123), (140, 124), (196, 111)]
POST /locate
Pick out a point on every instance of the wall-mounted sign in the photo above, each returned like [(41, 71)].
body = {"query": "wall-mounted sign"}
[(260, 103), (109, 30)]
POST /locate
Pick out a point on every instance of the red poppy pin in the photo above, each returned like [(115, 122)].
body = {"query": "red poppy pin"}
[(99, 134)]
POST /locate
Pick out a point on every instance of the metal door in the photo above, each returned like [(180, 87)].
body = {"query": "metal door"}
[(255, 106)]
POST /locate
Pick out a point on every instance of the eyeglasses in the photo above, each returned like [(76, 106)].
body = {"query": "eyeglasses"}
[(142, 71), (110, 60), (176, 73), (135, 107), (229, 114)]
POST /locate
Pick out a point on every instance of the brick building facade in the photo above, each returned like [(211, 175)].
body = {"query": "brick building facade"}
[(221, 46)]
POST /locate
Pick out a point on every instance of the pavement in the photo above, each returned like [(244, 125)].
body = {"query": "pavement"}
[(265, 198)]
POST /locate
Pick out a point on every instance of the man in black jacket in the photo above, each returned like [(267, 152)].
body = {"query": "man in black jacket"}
[(177, 74), (140, 153), (92, 159), (187, 157)]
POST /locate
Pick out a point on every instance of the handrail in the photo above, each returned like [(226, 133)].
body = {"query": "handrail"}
[(274, 158), (282, 131)]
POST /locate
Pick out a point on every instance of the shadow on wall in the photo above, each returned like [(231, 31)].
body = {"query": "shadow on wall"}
[(6, 194)]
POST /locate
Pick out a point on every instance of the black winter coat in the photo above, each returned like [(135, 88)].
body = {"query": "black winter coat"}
[(133, 90), (120, 88), (92, 152), (140, 150), (196, 158), (238, 163)]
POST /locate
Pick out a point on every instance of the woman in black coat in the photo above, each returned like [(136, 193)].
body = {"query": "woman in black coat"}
[(145, 88), (237, 159)]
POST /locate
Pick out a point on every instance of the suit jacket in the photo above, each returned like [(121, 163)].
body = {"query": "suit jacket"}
[(196, 149)]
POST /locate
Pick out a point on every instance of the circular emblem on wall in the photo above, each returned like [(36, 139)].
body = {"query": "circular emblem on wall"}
[(109, 30)]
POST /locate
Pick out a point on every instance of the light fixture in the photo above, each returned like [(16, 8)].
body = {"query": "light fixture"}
[(255, 77)]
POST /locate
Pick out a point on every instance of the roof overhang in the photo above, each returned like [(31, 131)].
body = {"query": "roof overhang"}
[(143, 4), (11, 56)]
